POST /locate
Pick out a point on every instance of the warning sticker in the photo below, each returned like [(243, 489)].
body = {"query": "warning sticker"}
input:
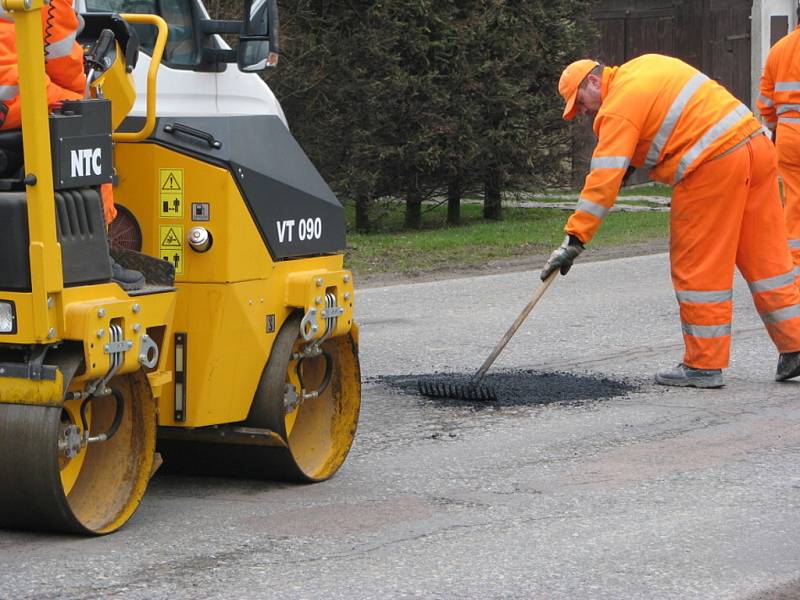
[(170, 245), (170, 239), (170, 192)]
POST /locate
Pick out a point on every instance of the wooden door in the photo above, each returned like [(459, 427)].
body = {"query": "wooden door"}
[(711, 35), (726, 57)]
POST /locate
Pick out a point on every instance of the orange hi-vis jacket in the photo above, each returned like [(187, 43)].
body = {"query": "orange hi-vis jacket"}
[(659, 113), (780, 84), (63, 60)]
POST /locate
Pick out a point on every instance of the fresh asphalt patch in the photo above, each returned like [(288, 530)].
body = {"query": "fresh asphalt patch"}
[(520, 387)]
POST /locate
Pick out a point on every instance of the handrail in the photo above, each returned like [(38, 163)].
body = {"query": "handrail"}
[(152, 72), (44, 250)]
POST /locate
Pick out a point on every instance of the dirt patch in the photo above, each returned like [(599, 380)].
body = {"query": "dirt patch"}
[(534, 262), (521, 387)]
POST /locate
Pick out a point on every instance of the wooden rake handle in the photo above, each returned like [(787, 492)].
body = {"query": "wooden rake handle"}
[(513, 329)]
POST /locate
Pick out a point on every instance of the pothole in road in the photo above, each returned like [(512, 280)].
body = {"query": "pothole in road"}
[(522, 387)]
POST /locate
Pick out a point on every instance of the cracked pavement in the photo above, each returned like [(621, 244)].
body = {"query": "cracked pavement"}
[(656, 493)]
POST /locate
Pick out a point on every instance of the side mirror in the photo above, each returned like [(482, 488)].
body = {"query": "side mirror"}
[(258, 43)]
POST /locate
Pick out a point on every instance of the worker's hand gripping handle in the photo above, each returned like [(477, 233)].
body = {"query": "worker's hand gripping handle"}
[(562, 257)]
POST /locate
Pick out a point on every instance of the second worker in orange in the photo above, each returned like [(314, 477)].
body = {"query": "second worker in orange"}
[(779, 104)]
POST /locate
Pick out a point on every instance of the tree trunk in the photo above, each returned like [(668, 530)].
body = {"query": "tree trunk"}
[(454, 193), (492, 197), (363, 202), (413, 218)]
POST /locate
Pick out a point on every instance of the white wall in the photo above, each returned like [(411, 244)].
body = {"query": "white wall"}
[(760, 34)]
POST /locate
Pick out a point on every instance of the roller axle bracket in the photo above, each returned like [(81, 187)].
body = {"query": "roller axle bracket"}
[(148, 352), (308, 326), (331, 314)]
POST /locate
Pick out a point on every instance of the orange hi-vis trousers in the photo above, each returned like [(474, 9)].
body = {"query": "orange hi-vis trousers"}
[(788, 144), (727, 213)]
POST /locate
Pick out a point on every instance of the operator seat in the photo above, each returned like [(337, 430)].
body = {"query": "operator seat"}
[(11, 154)]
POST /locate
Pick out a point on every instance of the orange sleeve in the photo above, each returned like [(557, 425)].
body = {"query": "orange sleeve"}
[(617, 139), (57, 94), (765, 101), (63, 55)]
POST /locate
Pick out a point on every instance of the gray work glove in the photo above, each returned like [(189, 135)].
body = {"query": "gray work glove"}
[(562, 257)]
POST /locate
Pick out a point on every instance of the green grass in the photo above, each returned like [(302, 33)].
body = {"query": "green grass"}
[(647, 189), (524, 231), (658, 190)]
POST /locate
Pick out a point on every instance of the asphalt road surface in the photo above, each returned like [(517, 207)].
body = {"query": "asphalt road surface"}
[(652, 493)]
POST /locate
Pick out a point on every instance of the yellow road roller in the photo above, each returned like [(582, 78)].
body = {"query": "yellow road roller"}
[(239, 354)]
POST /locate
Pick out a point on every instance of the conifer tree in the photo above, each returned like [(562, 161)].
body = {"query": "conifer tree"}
[(414, 98)]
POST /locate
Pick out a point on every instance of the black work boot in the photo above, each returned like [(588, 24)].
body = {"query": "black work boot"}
[(128, 279), (683, 376), (788, 366)]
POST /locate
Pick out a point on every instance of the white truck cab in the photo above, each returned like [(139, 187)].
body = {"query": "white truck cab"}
[(189, 84)]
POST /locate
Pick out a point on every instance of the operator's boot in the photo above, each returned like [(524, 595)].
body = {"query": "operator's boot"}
[(788, 366), (683, 376), (128, 279)]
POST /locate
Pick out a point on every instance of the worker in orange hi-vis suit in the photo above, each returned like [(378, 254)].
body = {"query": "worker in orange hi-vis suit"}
[(660, 113), (779, 105)]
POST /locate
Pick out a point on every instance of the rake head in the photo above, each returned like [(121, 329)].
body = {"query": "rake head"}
[(457, 390)]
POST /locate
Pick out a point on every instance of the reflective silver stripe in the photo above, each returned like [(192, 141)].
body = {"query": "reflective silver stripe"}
[(794, 243), (787, 86), (797, 271), (704, 297), (707, 331), (587, 206), (9, 92), (673, 114), (789, 119), (711, 136), (782, 314), (782, 108), (765, 101), (610, 162), (60, 48), (771, 283)]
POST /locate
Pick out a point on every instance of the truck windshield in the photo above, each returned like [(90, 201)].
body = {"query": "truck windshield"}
[(182, 48)]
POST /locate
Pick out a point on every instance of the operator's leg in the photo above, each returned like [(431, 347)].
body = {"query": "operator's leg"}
[(11, 112), (764, 258), (128, 279), (107, 195), (788, 144), (707, 210)]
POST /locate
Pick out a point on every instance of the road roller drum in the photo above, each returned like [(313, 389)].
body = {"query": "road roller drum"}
[(96, 489)]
